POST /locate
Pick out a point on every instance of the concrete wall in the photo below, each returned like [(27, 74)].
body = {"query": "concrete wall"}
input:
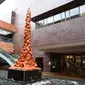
[(46, 58), (70, 31)]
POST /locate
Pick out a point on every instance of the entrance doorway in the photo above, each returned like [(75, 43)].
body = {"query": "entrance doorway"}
[(39, 62), (68, 64), (76, 64), (55, 62)]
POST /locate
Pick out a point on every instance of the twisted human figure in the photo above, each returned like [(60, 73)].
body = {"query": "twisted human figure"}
[(26, 60)]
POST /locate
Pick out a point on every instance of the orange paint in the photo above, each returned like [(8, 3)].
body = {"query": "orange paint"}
[(26, 60)]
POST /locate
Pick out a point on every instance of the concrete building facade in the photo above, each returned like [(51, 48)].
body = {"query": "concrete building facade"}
[(58, 37), (58, 33)]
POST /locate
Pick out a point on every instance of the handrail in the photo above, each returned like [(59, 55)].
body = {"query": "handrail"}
[(8, 57)]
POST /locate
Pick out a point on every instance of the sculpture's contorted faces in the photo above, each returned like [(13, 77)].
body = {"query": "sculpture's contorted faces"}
[(26, 60)]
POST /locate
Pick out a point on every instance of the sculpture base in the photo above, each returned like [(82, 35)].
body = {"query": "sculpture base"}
[(25, 76)]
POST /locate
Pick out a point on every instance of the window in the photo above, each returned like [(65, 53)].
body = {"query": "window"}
[(83, 62), (57, 17), (67, 14), (74, 12), (50, 20), (6, 37), (78, 61), (63, 16), (82, 10), (45, 21), (41, 22)]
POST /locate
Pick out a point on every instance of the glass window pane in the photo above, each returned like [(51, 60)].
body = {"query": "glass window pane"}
[(63, 15), (74, 11), (41, 22), (67, 14), (82, 9), (45, 21), (50, 20), (57, 17), (78, 57)]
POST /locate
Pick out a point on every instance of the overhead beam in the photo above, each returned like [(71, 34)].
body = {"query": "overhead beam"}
[(58, 10), (1, 1)]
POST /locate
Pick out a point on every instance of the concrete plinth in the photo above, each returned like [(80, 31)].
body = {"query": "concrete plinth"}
[(25, 76)]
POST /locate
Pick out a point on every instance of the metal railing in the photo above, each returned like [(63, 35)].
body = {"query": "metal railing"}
[(8, 58)]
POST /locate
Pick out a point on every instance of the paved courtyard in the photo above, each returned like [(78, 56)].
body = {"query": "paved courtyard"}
[(44, 81)]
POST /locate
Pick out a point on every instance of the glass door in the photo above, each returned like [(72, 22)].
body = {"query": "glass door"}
[(83, 62), (78, 61)]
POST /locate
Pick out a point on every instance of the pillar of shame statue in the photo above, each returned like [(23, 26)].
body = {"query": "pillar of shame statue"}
[(26, 60)]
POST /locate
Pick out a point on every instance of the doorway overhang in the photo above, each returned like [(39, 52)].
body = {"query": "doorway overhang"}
[(77, 47)]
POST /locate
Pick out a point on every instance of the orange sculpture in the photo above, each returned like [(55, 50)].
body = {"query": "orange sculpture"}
[(26, 60)]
